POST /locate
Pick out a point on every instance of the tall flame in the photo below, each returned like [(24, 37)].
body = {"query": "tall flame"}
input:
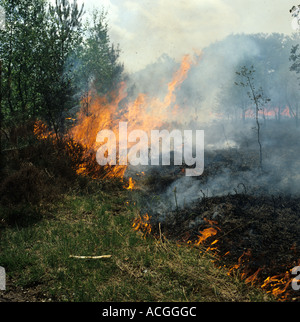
[(144, 113)]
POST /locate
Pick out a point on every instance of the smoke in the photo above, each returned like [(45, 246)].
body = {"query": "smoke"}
[(231, 148), (279, 177), (147, 29), (216, 66)]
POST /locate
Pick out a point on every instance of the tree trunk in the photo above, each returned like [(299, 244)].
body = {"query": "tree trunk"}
[(257, 121), (1, 120), (244, 114)]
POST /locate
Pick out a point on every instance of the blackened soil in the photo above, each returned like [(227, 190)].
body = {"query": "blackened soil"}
[(259, 232)]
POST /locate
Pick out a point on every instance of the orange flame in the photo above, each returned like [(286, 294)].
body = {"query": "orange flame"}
[(145, 113), (253, 278), (106, 112), (143, 224), (178, 78), (206, 233), (41, 131), (131, 184), (277, 285), (286, 112)]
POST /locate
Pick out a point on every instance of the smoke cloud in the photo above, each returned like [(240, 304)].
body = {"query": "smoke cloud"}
[(147, 29), (231, 150)]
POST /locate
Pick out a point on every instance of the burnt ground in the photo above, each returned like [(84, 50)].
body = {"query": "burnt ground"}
[(256, 218), (260, 233)]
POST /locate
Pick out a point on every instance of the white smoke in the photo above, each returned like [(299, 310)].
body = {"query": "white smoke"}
[(147, 29)]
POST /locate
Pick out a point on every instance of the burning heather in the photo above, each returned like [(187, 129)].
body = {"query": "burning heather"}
[(198, 149), (144, 112), (244, 208)]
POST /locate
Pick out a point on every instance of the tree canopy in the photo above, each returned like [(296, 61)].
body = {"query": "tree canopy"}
[(51, 58)]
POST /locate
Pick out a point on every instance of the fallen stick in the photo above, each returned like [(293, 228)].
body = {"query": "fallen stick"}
[(91, 257)]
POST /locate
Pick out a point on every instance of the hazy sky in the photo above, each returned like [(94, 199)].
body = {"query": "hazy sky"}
[(145, 29)]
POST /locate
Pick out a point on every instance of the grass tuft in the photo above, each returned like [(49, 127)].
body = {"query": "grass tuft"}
[(37, 257)]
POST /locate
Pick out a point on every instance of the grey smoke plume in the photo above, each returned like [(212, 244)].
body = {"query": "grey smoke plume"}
[(231, 144)]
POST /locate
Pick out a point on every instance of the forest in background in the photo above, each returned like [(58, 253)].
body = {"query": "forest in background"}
[(54, 56)]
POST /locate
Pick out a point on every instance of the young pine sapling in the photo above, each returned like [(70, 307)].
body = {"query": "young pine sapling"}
[(256, 96)]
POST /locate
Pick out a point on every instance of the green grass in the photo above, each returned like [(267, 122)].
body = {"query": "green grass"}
[(38, 257)]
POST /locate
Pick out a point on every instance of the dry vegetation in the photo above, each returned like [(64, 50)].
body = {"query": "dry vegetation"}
[(49, 213)]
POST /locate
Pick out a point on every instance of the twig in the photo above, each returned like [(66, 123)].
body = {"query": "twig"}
[(160, 235), (175, 198), (91, 257)]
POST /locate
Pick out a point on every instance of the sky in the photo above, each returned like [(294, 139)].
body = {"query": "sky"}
[(146, 29)]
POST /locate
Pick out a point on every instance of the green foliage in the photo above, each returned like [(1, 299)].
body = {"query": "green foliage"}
[(48, 56), (62, 35), (19, 52), (139, 269), (97, 69), (295, 59)]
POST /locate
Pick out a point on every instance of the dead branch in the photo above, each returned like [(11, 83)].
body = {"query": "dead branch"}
[(91, 257)]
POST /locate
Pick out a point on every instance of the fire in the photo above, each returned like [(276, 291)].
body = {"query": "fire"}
[(268, 112), (131, 184), (178, 78), (286, 112), (144, 112), (96, 115), (206, 233), (106, 112), (244, 258), (252, 278), (41, 131), (277, 285), (143, 224)]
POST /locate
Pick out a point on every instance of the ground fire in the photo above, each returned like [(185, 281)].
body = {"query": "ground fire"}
[(207, 242), (237, 235)]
